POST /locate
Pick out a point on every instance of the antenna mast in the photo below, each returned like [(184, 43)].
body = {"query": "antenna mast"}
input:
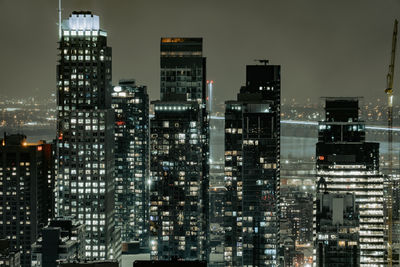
[(59, 19)]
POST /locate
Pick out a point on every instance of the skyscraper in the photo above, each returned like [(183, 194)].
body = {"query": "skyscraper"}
[(183, 68), (346, 163), (25, 192), (179, 155), (85, 133), (252, 164), (131, 105)]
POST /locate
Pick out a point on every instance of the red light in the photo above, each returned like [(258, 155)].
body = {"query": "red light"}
[(321, 157), (119, 123), (39, 148), (212, 81), (60, 137), (207, 98), (208, 81)]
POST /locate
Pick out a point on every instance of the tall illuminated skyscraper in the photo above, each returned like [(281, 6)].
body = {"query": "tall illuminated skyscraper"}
[(131, 105), (346, 163), (252, 166), (85, 134), (179, 155)]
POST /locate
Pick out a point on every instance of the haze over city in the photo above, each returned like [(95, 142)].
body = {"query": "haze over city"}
[(325, 48)]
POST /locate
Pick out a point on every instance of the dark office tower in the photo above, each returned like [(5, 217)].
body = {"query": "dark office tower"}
[(61, 239), (252, 153), (183, 68), (337, 242), (131, 105), (85, 129), (180, 155), (24, 192), (183, 72), (346, 163)]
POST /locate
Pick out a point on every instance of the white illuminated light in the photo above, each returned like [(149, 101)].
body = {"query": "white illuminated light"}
[(83, 22), (149, 181), (117, 89)]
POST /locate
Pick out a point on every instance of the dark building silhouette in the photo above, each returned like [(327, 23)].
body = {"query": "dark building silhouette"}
[(180, 155), (252, 164), (347, 164), (85, 133), (8, 256), (61, 239), (131, 105), (26, 179)]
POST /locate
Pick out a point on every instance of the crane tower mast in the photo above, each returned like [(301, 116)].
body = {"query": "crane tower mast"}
[(389, 92)]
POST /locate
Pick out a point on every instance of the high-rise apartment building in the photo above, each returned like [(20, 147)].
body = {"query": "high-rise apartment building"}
[(131, 105), (180, 155), (297, 190), (346, 163), (25, 192), (85, 133), (252, 164), (296, 222)]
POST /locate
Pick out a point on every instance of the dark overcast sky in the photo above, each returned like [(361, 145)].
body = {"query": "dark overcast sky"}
[(326, 48)]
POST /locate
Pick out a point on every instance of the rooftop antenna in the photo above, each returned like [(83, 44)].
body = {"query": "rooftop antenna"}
[(59, 19), (262, 61)]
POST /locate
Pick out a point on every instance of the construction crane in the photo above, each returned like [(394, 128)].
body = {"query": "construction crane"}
[(389, 92)]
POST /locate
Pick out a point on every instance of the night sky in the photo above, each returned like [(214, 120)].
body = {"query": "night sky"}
[(326, 48)]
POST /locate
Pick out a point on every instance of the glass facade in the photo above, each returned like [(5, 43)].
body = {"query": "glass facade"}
[(85, 134), (131, 106), (183, 68), (179, 160), (252, 164)]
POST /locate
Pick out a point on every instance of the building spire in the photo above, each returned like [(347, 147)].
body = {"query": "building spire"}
[(59, 19)]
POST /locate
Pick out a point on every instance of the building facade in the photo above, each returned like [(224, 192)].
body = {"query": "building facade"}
[(346, 163), (61, 239), (252, 164), (180, 155), (85, 133), (25, 192), (8, 256), (131, 105), (337, 241)]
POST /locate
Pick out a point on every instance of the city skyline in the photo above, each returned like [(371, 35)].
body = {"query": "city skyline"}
[(351, 41), (162, 178)]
